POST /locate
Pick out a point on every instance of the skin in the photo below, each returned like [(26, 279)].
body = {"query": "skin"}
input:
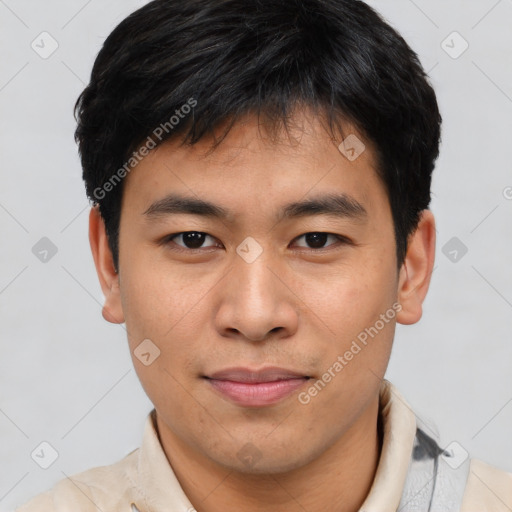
[(296, 307)]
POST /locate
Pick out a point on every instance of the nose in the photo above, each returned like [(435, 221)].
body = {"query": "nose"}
[(255, 302)]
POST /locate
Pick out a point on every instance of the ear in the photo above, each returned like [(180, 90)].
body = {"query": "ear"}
[(104, 262), (416, 271)]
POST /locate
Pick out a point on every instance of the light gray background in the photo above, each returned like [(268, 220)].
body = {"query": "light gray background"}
[(65, 374)]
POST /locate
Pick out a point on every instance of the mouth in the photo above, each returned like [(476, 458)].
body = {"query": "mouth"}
[(256, 388)]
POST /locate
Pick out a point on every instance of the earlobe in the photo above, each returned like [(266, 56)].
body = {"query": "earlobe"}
[(107, 275), (416, 271)]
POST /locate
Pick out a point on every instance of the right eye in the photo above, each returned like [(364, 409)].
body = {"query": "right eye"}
[(191, 240)]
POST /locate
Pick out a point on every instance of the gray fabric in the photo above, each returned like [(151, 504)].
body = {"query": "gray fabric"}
[(436, 478)]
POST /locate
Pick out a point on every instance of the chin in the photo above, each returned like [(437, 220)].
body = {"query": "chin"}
[(250, 460)]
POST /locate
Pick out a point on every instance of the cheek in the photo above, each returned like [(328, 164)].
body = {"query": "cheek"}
[(163, 335), (158, 302), (374, 308), (359, 308), (166, 308), (351, 297)]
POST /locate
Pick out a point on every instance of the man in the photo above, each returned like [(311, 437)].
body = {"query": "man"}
[(260, 173)]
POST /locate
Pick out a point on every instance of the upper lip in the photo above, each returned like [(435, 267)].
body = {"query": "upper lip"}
[(269, 374)]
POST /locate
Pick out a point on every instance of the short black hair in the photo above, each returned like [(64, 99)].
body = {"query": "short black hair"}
[(186, 67)]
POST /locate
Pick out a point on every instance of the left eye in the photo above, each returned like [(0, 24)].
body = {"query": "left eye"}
[(318, 240)]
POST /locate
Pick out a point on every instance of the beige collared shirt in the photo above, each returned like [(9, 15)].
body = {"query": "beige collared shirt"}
[(144, 480)]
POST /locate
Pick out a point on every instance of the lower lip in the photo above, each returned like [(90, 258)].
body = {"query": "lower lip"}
[(257, 394)]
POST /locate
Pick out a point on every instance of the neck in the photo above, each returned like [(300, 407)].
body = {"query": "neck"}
[(337, 481)]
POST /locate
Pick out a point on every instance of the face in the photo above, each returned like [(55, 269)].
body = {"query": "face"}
[(271, 308)]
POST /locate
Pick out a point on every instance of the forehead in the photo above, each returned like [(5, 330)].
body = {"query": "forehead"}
[(253, 167), (305, 136)]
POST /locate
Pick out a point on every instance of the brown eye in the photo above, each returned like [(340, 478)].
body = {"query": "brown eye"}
[(191, 239), (317, 240)]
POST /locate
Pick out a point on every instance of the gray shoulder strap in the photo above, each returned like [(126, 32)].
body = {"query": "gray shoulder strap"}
[(436, 478)]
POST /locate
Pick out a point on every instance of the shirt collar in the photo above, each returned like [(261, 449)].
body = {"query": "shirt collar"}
[(158, 488), (399, 425)]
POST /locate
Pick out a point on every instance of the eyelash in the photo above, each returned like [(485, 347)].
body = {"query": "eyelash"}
[(341, 239)]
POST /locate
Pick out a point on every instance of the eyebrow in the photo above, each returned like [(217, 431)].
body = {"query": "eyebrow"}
[(337, 205)]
